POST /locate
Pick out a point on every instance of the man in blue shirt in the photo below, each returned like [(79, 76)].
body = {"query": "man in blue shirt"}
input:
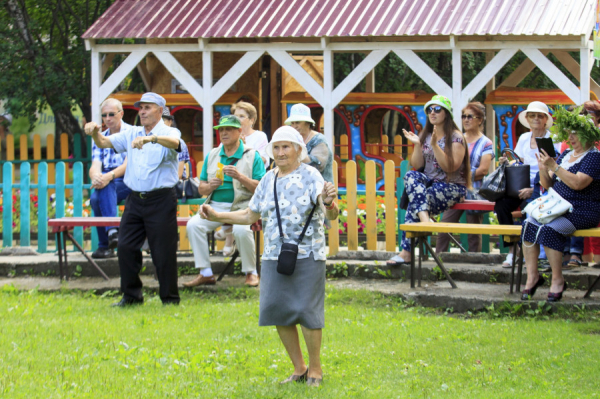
[(106, 174), (229, 176), (151, 208)]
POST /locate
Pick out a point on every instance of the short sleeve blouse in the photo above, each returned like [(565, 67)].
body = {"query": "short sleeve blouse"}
[(589, 197), (298, 192), (433, 169)]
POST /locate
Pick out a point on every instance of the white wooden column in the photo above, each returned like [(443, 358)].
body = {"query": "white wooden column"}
[(490, 117), (457, 86), (96, 82), (328, 106), (207, 106), (584, 75)]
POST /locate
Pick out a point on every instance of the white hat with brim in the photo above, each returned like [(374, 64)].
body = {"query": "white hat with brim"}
[(299, 113), (536, 106), (287, 133)]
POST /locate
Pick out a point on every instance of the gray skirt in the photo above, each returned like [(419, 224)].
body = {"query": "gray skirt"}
[(295, 299)]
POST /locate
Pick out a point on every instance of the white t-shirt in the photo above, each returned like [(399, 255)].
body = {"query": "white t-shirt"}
[(524, 150), (258, 141)]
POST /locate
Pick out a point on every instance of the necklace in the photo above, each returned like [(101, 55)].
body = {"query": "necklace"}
[(577, 156)]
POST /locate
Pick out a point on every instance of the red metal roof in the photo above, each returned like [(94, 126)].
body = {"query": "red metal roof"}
[(341, 18)]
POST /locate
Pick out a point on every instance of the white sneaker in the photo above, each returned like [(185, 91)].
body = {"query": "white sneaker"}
[(507, 264)]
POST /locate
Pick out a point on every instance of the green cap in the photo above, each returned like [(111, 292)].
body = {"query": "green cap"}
[(442, 101), (229, 120)]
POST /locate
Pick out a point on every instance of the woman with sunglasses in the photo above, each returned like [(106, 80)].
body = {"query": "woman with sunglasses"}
[(538, 119), (481, 154), (441, 150)]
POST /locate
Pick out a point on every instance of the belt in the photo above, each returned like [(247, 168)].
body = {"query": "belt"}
[(150, 194)]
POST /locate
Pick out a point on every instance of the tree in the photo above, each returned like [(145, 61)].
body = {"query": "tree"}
[(43, 60)]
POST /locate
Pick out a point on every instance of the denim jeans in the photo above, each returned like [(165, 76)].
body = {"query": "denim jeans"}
[(104, 203)]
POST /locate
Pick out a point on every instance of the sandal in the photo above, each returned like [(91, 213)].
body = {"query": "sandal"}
[(229, 251), (397, 260), (296, 378), (572, 263), (507, 264)]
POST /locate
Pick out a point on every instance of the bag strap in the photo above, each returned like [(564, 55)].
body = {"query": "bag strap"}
[(232, 163), (279, 215), (514, 154)]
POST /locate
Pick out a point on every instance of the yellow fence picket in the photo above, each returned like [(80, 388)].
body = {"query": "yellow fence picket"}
[(51, 166), (37, 155), (24, 153), (390, 206), (371, 202), (64, 154), (352, 227), (334, 231), (385, 141), (10, 150), (344, 146)]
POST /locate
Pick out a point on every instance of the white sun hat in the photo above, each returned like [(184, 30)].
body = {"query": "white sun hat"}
[(536, 106), (287, 133), (299, 113)]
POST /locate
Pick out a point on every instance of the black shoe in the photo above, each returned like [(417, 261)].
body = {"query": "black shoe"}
[(170, 303), (113, 240), (557, 296), (128, 301), (528, 294), (103, 253)]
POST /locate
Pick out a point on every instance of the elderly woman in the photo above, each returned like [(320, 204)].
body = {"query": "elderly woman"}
[(442, 150), (575, 176), (538, 119), (319, 154), (288, 300), (481, 154)]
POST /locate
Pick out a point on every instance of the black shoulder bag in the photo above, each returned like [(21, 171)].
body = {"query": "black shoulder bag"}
[(286, 263)]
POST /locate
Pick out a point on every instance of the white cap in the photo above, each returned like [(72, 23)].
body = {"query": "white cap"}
[(8, 117), (536, 106), (299, 113), (287, 133)]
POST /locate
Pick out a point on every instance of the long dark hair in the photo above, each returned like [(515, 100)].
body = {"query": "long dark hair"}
[(449, 128)]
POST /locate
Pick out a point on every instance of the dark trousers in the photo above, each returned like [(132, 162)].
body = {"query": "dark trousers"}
[(504, 208), (155, 218), (104, 203)]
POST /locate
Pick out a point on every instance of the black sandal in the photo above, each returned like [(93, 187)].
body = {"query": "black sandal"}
[(296, 378), (528, 294)]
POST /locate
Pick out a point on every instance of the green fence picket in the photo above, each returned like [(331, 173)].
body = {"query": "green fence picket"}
[(43, 207), (25, 204), (78, 200), (7, 204)]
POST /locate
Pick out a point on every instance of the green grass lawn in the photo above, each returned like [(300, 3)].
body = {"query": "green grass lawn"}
[(75, 345)]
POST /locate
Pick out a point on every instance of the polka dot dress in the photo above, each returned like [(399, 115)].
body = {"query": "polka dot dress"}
[(586, 205)]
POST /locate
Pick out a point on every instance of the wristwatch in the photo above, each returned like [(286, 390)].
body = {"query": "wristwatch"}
[(154, 139)]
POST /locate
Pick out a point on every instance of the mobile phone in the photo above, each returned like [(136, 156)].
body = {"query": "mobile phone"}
[(546, 144)]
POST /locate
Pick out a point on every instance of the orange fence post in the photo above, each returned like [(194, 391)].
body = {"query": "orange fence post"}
[(51, 166), (390, 206), (64, 154), (352, 227), (10, 150), (371, 210), (334, 231)]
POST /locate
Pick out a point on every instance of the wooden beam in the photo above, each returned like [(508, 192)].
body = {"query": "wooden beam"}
[(328, 94), (428, 75), (106, 62), (486, 74), (183, 76), (554, 73), (370, 81), (356, 76), (575, 69), (234, 73), (518, 74), (207, 101), (490, 120), (585, 79), (120, 74), (456, 98), (96, 82), (146, 77), (302, 77)]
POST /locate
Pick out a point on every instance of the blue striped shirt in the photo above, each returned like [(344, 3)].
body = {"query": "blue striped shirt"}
[(108, 157)]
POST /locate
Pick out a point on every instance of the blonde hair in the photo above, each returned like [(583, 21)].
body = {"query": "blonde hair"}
[(114, 102), (247, 107)]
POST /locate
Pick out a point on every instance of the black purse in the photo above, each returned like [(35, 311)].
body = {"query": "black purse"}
[(517, 175), (404, 199), (286, 262)]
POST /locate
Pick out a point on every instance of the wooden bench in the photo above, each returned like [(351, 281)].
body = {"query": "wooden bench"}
[(62, 228), (510, 234)]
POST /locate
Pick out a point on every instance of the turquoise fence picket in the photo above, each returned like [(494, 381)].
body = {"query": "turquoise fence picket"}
[(24, 195), (94, 229), (42, 207), (59, 191), (7, 204), (78, 200)]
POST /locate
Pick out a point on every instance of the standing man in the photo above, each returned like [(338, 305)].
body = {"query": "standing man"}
[(151, 208), (106, 174)]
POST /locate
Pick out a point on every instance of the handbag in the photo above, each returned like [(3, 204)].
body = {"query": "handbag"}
[(517, 175), (474, 195), (286, 262), (548, 207), (188, 188), (493, 186)]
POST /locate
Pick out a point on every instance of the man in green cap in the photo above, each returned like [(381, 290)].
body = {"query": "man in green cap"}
[(229, 176)]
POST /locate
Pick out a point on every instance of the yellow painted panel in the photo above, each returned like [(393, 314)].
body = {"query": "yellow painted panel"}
[(334, 231), (344, 146), (371, 211), (384, 141), (184, 244), (461, 228), (390, 206), (10, 147), (24, 151), (352, 228)]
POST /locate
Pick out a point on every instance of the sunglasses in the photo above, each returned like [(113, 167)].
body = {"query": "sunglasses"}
[(534, 115), (437, 109), (111, 114), (469, 117)]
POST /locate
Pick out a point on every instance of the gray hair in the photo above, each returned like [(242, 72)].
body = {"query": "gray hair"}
[(114, 102)]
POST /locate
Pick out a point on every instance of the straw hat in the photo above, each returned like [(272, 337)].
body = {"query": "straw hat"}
[(536, 106), (287, 133), (299, 113)]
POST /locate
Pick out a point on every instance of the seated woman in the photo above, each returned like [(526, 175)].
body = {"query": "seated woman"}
[(575, 176), (289, 300), (481, 153), (538, 119), (442, 149)]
